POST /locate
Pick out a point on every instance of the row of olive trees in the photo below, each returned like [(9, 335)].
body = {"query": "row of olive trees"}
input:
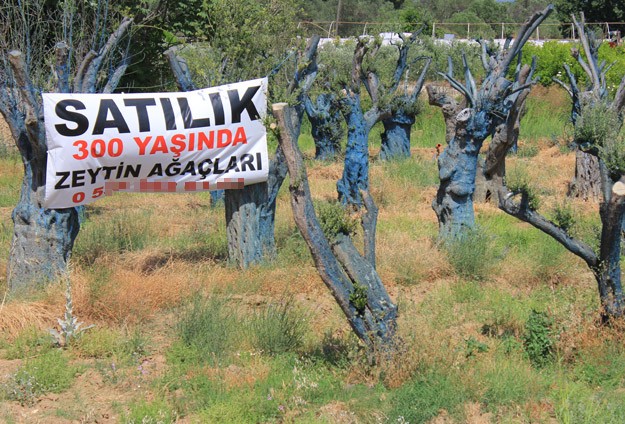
[(43, 238)]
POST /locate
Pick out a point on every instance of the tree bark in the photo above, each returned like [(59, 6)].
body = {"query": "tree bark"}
[(587, 181), (43, 238), (396, 136), (356, 170)]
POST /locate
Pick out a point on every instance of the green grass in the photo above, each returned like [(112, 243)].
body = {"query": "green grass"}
[(122, 232), (49, 372)]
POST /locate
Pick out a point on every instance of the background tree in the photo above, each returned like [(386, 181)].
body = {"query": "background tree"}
[(587, 181), (404, 107), (88, 58), (595, 11), (486, 108), (325, 118), (248, 40)]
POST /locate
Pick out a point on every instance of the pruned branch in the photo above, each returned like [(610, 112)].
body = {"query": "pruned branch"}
[(421, 80), (523, 212), (524, 34)]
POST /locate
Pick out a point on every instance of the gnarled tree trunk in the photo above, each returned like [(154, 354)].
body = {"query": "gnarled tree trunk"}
[(352, 279), (43, 238)]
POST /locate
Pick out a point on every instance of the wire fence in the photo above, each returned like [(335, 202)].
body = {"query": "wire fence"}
[(468, 30)]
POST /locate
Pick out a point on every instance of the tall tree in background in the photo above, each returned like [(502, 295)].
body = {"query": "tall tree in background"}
[(91, 49)]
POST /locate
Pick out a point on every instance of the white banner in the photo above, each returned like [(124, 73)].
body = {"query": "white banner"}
[(162, 142)]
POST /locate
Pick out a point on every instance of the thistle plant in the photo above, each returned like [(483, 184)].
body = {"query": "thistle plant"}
[(70, 327)]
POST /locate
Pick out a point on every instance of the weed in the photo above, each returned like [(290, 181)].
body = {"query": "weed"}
[(122, 232), (278, 327), (207, 327), (423, 398), (30, 342), (539, 338), (50, 372), (98, 343), (602, 366), (154, 412), (470, 254), (473, 347), (69, 325)]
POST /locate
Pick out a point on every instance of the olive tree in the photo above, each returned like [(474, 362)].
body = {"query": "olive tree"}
[(86, 59)]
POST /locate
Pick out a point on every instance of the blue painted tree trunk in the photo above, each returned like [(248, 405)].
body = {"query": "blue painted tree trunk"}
[(396, 136), (356, 170), (457, 167), (243, 224), (325, 121), (42, 238)]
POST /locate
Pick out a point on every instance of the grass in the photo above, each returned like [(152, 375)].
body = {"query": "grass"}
[(180, 334)]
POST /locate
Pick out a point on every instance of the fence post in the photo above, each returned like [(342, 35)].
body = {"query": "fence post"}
[(433, 29), (468, 30), (502, 29)]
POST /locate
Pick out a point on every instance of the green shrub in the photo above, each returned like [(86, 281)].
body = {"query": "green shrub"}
[(335, 220), (278, 327), (518, 181), (49, 372), (563, 216), (539, 338)]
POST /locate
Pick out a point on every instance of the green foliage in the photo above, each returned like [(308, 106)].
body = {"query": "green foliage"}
[(550, 60), (539, 338), (154, 412), (518, 181), (206, 327), (30, 342), (278, 328), (470, 254), (563, 216), (49, 372), (473, 346), (335, 220), (358, 298), (422, 399)]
